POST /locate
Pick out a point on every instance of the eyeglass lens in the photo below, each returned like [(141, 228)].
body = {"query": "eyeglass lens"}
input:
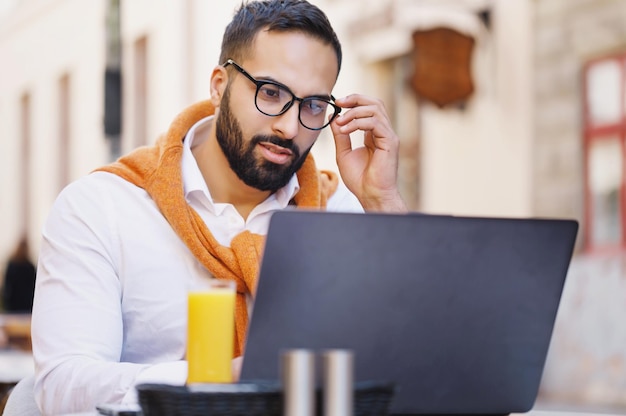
[(273, 99)]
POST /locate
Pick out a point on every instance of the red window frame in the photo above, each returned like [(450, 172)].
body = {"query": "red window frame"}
[(598, 132)]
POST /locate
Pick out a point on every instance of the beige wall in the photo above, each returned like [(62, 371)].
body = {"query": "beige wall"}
[(477, 160), (38, 44)]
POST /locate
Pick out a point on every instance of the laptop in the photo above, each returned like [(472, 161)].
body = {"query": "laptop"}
[(458, 312)]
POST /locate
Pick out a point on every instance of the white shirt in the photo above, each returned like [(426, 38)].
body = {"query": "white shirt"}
[(111, 292)]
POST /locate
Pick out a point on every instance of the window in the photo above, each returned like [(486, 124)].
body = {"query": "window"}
[(604, 144)]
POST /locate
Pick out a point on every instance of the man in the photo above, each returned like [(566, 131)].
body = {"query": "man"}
[(123, 245)]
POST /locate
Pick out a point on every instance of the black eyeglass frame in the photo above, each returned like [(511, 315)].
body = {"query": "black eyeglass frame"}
[(261, 83)]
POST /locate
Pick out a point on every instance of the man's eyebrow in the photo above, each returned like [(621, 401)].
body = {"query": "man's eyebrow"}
[(322, 96), (327, 97)]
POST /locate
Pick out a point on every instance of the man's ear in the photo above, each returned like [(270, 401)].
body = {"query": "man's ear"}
[(219, 81)]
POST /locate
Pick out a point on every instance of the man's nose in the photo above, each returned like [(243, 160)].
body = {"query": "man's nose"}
[(287, 124)]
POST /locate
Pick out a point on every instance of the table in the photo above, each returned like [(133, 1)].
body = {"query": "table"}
[(531, 413), (15, 327), (14, 365), (572, 412)]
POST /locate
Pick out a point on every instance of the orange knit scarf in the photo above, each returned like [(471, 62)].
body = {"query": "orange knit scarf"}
[(157, 169)]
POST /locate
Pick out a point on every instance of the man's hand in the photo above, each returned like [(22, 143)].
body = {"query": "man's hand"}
[(370, 172)]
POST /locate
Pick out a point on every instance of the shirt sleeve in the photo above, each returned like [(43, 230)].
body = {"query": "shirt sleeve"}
[(77, 322), (344, 201)]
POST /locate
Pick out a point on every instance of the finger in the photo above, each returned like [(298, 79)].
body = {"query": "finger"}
[(361, 106), (366, 117), (356, 100), (372, 125), (357, 113), (343, 144)]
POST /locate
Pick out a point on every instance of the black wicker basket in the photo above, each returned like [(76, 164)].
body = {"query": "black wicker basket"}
[(248, 399)]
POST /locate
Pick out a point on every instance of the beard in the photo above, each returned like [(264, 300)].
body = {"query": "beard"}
[(253, 170)]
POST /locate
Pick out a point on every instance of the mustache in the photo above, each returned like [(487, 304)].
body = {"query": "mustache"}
[(287, 144)]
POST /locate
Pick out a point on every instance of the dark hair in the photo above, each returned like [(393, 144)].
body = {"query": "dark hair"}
[(275, 15)]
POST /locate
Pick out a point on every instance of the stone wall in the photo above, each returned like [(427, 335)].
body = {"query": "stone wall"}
[(567, 34), (587, 360)]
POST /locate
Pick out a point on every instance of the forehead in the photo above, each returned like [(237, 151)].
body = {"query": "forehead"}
[(304, 63)]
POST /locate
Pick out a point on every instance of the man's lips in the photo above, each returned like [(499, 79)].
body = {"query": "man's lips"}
[(275, 154)]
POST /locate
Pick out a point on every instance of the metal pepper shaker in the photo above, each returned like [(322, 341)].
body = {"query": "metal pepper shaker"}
[(338, 378), (298, 374)]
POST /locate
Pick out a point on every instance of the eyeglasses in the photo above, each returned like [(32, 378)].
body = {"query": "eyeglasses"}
[(274, 99)]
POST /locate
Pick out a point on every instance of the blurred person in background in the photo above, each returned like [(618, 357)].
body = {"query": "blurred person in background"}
[(19, 280)]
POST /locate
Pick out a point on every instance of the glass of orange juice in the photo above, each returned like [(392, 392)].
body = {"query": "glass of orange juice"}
[(210, 332)]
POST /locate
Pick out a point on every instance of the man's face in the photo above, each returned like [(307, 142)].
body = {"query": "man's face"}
[(256, 171), (266, 151)]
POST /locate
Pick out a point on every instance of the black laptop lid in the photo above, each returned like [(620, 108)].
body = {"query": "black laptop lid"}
[(458, 312)]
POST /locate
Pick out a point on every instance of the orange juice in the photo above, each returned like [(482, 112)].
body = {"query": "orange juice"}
[(210, 333)]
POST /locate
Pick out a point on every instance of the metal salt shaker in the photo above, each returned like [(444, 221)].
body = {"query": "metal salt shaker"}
[(298, 373), (338, 382)]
